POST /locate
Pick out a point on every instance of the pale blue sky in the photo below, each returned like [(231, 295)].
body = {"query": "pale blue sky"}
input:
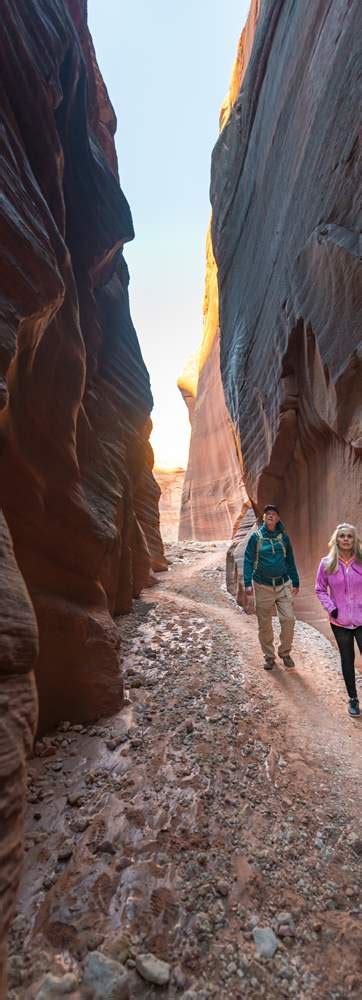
[(167, 68)]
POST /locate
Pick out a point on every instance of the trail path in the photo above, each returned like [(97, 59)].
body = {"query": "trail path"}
[(221, 800), (312, 698)]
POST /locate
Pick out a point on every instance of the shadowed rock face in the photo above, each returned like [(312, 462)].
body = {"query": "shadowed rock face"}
[(18, 650), (285, 196), (74, 390)]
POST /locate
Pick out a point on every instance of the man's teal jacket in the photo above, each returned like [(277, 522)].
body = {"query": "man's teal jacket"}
[(269, 556)]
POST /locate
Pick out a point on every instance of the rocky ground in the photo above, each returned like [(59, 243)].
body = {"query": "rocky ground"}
[(205, 842)]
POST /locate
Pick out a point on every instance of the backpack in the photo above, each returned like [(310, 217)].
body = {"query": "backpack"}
[(259, 542)]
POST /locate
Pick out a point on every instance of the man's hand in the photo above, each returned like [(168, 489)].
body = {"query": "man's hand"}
[(295, 591), (249, 604)]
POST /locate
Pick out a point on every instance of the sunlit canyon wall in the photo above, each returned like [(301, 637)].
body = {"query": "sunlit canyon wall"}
[(285, 192), (213, 496)]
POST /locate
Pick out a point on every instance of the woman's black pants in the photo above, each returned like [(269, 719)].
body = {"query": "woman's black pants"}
[(345, 640)]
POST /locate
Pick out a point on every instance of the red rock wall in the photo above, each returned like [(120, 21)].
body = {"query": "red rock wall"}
[(18, 711), (285, 194), (75, 391), (213, 491), (170, 482)]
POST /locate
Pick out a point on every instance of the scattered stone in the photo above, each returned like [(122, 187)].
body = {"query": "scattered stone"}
[(57, 986), (222, 887), (93, 940), (108, 979), (48, 881), (112, 743), (266, 943), (75, 797), (66, 850), (105, 847), (356, 844), (201, 924), (153, 969), (285, 926), (80, 823)]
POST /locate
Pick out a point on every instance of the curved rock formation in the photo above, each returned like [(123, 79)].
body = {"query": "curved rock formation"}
[(147, 508), (213, 490), (214, 493), (18, 650), (285, 194), (75, 388)]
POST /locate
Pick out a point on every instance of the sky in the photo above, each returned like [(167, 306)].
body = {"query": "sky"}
[(167, 67)]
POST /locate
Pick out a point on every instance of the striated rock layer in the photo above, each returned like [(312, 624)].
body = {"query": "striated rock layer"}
[(285, 195), (213, 486), (214, 494), (18, 707), (74, 390)]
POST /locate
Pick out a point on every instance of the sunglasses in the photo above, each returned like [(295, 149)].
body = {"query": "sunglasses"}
[(343, 535)]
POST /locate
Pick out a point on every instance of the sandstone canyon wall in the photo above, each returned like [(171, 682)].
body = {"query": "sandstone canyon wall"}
[(171, 483), (18, 710), (286, 194), (214, 495), (213, 489), (76, 485)]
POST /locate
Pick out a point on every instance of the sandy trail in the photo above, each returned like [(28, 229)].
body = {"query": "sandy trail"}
[(311, 698), (220, 801)]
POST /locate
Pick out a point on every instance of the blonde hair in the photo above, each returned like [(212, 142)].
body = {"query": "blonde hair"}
[(332, 559)]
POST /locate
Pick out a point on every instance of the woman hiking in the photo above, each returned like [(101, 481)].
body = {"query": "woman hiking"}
[(269, 566), (339, 589)]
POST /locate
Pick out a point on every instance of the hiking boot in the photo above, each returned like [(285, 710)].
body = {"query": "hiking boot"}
[(269, 663), (353, 707), (287, 660)]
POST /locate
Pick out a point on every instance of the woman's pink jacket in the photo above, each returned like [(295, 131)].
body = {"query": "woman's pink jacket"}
[(342, 590)]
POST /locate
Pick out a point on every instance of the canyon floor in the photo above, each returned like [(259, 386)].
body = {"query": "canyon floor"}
[(214, 823)]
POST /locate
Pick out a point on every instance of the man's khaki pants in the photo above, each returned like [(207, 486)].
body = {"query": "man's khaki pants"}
[(265, 600)]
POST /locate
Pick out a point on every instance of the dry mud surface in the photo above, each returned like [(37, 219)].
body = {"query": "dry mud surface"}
[(220, 801)]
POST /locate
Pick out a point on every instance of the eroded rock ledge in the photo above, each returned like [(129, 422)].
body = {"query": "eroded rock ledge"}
[(76, 483)]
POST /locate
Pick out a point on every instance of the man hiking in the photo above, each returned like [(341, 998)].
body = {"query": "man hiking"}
[(269, 567)]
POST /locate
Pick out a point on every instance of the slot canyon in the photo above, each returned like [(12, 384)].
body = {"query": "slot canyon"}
[(174, 821)]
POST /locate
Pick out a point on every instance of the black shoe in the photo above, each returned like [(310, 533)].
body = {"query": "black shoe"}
[(269, 663), (353, 707), (288, 661)]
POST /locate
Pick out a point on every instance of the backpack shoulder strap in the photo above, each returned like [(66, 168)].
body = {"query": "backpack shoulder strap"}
[(259, 541), (283, 539)]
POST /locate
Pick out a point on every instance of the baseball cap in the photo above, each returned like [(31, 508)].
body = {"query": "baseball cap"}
[(271, 506)]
